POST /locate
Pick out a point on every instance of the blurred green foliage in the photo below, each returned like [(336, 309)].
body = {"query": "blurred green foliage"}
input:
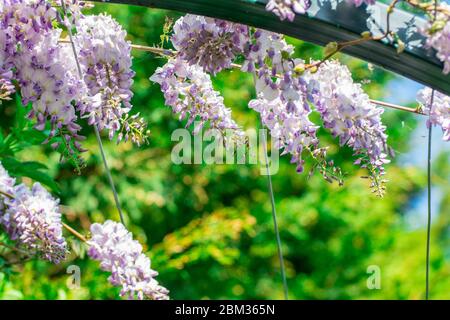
[(209, 229)]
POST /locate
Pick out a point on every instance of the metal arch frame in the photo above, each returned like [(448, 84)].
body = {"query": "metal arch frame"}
[(329, 21)]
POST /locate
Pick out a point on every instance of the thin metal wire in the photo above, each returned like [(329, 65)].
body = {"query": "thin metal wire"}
[(274, 216), (108, 173), (97, 134), (430, 131), (427, 277), (274, 212)]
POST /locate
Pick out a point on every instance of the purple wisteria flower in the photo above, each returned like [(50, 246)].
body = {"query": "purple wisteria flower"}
[(438, 36), (7, 187), (48, 77), (6, 86), (33, 219), (281, 95), (6, 74), (210, 43), (348, 113), (190, 93), (440, 111), (358, 3), (287, 9), (105, 58), (113, 245), (32, 48), (292, 131)]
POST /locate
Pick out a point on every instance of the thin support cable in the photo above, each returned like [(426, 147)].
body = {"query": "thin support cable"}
[(430, 131), (97, 134), (274, 216), (108, 173)]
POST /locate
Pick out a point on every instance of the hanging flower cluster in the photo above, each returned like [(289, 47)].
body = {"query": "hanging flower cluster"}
[(189, 91), (439, 115), (281, 96), (118, 253), (31, 48), (285, 89), (32, 218), (46, 71), (288, 91), (105, 58), (438, 36), (212, 44), (348, 113), (286, 9)]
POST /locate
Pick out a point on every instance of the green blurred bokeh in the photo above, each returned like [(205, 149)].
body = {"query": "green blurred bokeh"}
[(208, 228)]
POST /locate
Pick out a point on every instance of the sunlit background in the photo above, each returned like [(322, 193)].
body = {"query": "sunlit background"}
[(208, 228)]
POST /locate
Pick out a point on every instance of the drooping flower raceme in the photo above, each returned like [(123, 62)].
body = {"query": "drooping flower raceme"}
[(47, 84), (440, 110), (348, 113), (113, 245), (292, 131), (32, 49), (286, 9), (105, 58), (48, 77), (33, 219), (210, 43), (189, 91), (438, 36), (281, 96)]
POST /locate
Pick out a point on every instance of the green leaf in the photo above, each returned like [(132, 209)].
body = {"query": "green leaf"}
[(31, 169)]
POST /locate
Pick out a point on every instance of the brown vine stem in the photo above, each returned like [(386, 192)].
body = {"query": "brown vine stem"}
[(427, 6), (155, 50), (66, 226), (397, 107), (74, 232), (342, 45)]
